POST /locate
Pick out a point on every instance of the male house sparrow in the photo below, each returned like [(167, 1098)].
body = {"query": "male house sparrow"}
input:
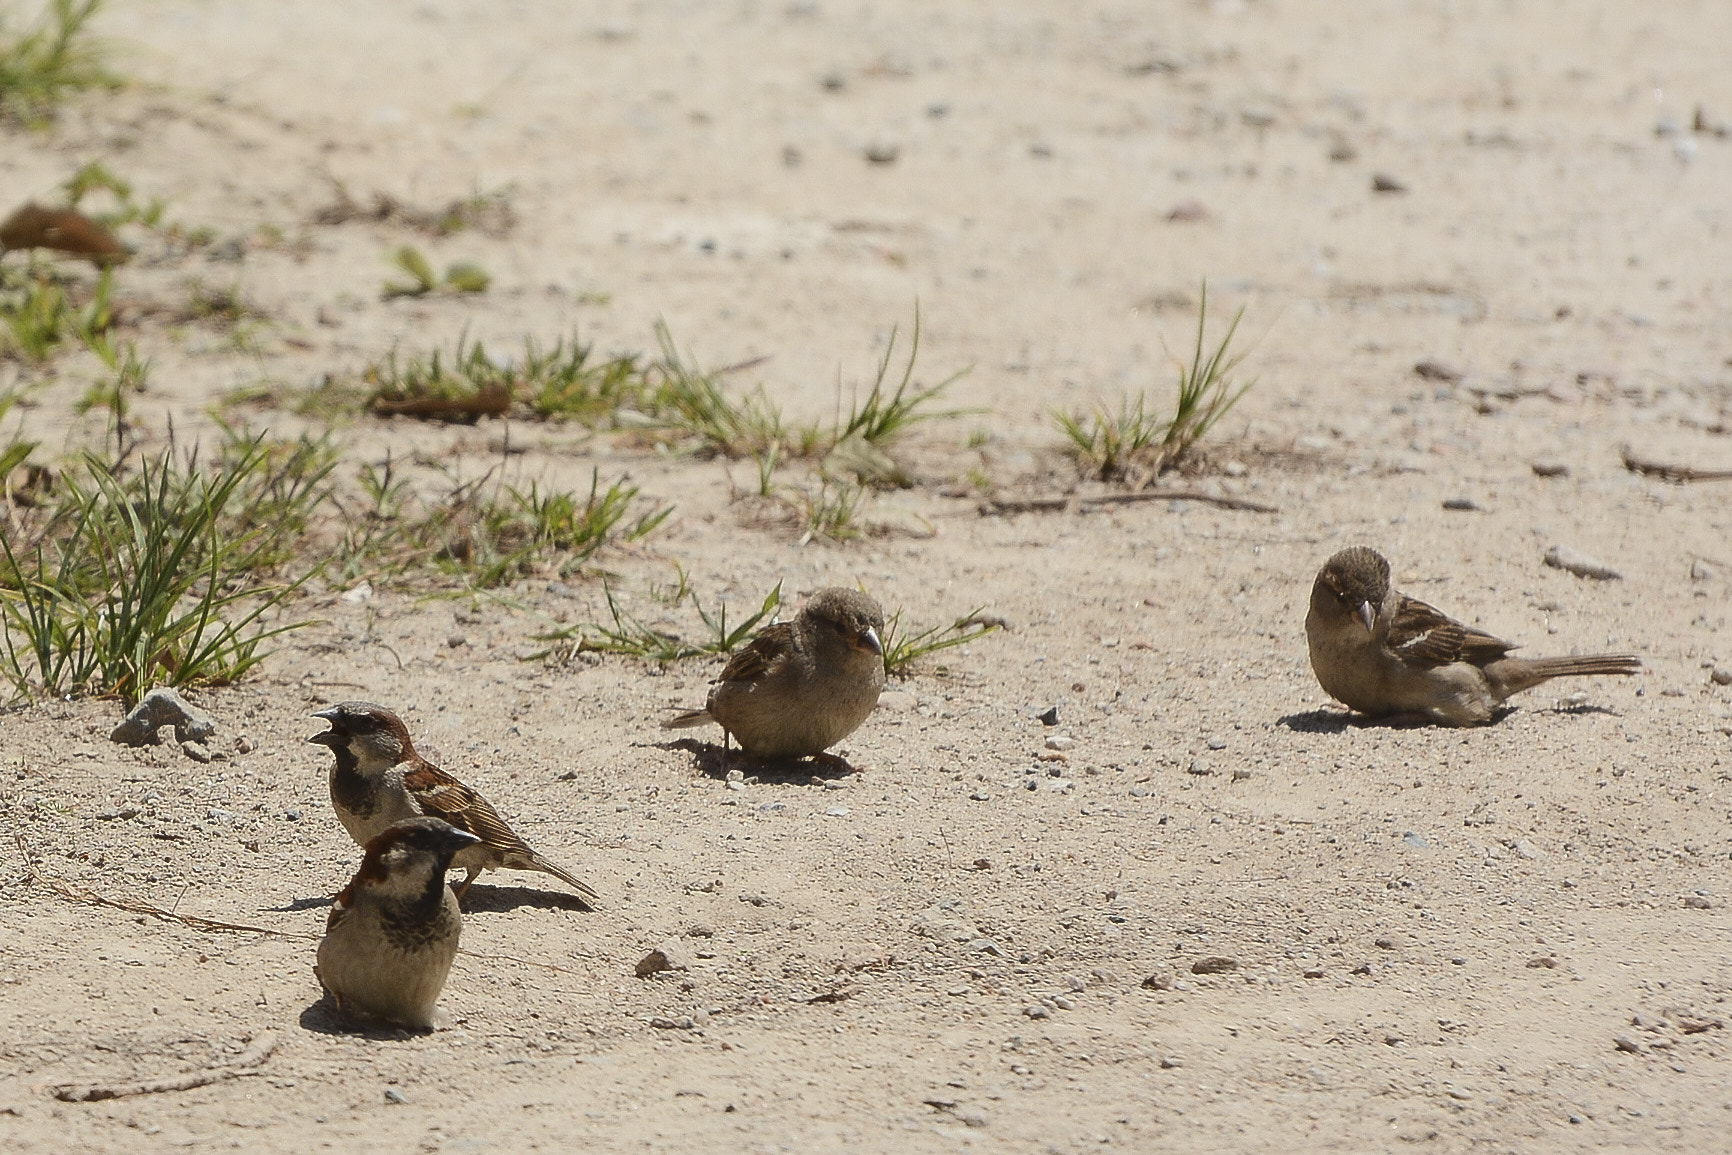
[(1382, 652), (393, 930), (802, 686), (380, 779)]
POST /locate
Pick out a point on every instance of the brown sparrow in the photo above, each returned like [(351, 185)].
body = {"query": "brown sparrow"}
[(69, 231), (380, 779), (800, 687), (393, 930), (1382, 652)]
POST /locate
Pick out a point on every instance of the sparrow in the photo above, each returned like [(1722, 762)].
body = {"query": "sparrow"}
[(393, 930), (1382, 652), (800, 687), (380, 779)]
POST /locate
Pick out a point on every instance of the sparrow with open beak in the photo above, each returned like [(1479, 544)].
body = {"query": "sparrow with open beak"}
[(379, 779), (1381, 652), (801, 686)]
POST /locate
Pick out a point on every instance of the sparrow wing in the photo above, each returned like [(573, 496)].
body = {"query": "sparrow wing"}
[(765, 652), (441, 796), (340, 907), (1425, 637)]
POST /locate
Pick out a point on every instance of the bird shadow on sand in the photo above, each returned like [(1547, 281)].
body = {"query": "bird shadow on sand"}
[(300, 904), (714, 761), (1327, 721), (323, 1018), (481, 897)]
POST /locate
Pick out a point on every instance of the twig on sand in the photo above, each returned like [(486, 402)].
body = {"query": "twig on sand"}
[(994, 506), (1671, 472), (258, 1050)]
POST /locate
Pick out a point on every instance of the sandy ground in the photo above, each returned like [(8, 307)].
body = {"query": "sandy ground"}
[(1511, 938)]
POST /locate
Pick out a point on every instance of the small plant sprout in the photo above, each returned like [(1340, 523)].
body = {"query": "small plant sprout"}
[(49, 61), (461, 277), (885, 413), (1136, 444), (902, 649)]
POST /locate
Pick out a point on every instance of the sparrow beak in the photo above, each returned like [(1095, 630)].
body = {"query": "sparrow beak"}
[(458, 840), (869, 641), (327, 738), (1366, 614)]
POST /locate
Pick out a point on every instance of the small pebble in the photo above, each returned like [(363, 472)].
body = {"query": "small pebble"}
[(1060, 742), (1701, 571), (1575, 561), (1063, 1003), (1384, 183), (393, 1095), (1199, 767), (197, 751), (882, 152), (1722, 675), (1169, 1063), (1216, 742), (1049, 717), (1461, 504), (1550, 469), (981, 796), (1432, 370), (1698, 902), (1214, 965), (1158, 982), (1036, 1011)]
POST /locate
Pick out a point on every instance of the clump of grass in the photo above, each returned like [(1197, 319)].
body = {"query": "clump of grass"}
[(490, 539), (830, 509), (15, 450), (463, 387), (1135, 442), (628, 635), (692, 403), (460, 277), (884, 413), (140, 580), (40, 312), (903, 649), (565, 383), (49, 61)]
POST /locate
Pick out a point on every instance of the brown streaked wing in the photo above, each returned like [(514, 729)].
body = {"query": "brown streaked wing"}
[(442, 796), (767, 649), (1425, 636)]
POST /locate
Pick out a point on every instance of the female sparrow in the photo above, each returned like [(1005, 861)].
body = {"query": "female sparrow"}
[(380, 779), (393, 930), (1382, 652), (802, 686)]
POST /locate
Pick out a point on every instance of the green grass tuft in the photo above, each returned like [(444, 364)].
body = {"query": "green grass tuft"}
[(49, 61), (1136, 443)]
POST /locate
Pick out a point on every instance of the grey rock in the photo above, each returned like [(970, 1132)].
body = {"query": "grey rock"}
[(1722, 675), (393, 1095), (1701, 571), (161, 708), (1036, 1011), (941, 925), (1574, 561)]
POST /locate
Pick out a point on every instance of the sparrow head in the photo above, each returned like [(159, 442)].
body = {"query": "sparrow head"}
[(1353, 583), (855, 617), (370, 734), (410, 857)]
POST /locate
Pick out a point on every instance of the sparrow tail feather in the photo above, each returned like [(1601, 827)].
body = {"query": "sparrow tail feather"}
[(1512, 675), (688, 720)]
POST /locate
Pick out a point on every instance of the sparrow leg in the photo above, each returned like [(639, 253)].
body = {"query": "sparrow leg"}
[(462, 887)]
